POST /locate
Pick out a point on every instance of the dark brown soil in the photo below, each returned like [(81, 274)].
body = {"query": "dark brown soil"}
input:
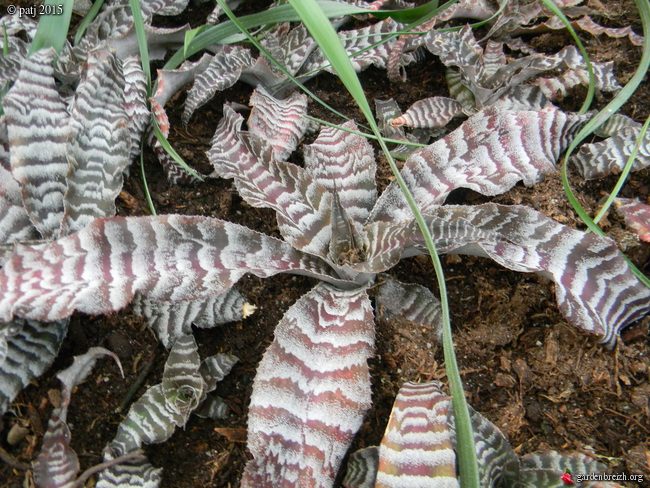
[(545, 383)]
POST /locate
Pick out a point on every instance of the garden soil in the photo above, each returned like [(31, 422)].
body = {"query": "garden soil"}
[(544, 383)]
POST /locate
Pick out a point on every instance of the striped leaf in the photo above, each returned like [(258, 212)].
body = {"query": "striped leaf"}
[(418, 450), (134, 473), (37, 117), (345, 162), (137, 113), (602, 158), (57, 464), (484, 72), (411, 303), (636, 215), (221, 73), (417, 445), (280, 122), (302, 206), (171, 320), (100, 268), (98, 151), (31, 348), (311, 390), (362, 468), (430, 113), (489, 153), (594, 286), (355, 41), (153, 418)]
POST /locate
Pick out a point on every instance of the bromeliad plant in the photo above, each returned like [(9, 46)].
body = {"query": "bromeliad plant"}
[(419, 449), (312, 387)]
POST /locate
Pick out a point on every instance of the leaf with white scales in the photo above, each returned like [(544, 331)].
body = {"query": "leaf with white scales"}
[(636, 215), (57, 464), (153, 418), (594, 285), (602, 158), (311, 390), (489, 153), (100, 268), (171, 320), (419, 449), (35, 112)]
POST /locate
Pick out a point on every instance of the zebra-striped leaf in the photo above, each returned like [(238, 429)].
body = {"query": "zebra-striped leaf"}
[(594, 286), (154, 417), (311, 390), (407, 455), (637, 216), (489, 153), (171, 257), (602, 158), (57, 464), (222, 72), (98, 151), (397, 301), (430, 113), (418, 449), (31, 348), (280, 122), (38, 129), (170, 320)]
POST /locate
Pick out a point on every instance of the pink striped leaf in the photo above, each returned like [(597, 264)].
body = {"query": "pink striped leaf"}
[(417, 444), (430, 113), (302, 205), (57, 464), (280, 122), (418, 449), (594, 286), (311, 390), (636, 215), (172, 257), (489, 153), (221, 73)]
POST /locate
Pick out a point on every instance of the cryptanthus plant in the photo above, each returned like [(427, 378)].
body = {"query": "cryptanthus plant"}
[(312, 387), (418, 449)]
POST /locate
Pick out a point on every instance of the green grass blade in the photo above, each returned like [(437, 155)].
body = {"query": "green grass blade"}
[(611, 108), (144, 180), (324, 34), (53, 28), (170, 150), (88, 18), (142, 41)]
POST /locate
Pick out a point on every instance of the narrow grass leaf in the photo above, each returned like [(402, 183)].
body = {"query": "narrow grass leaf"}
[(53, 29)]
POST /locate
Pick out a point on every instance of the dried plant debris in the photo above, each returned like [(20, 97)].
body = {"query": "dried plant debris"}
[(418, 449), (153, 418)]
